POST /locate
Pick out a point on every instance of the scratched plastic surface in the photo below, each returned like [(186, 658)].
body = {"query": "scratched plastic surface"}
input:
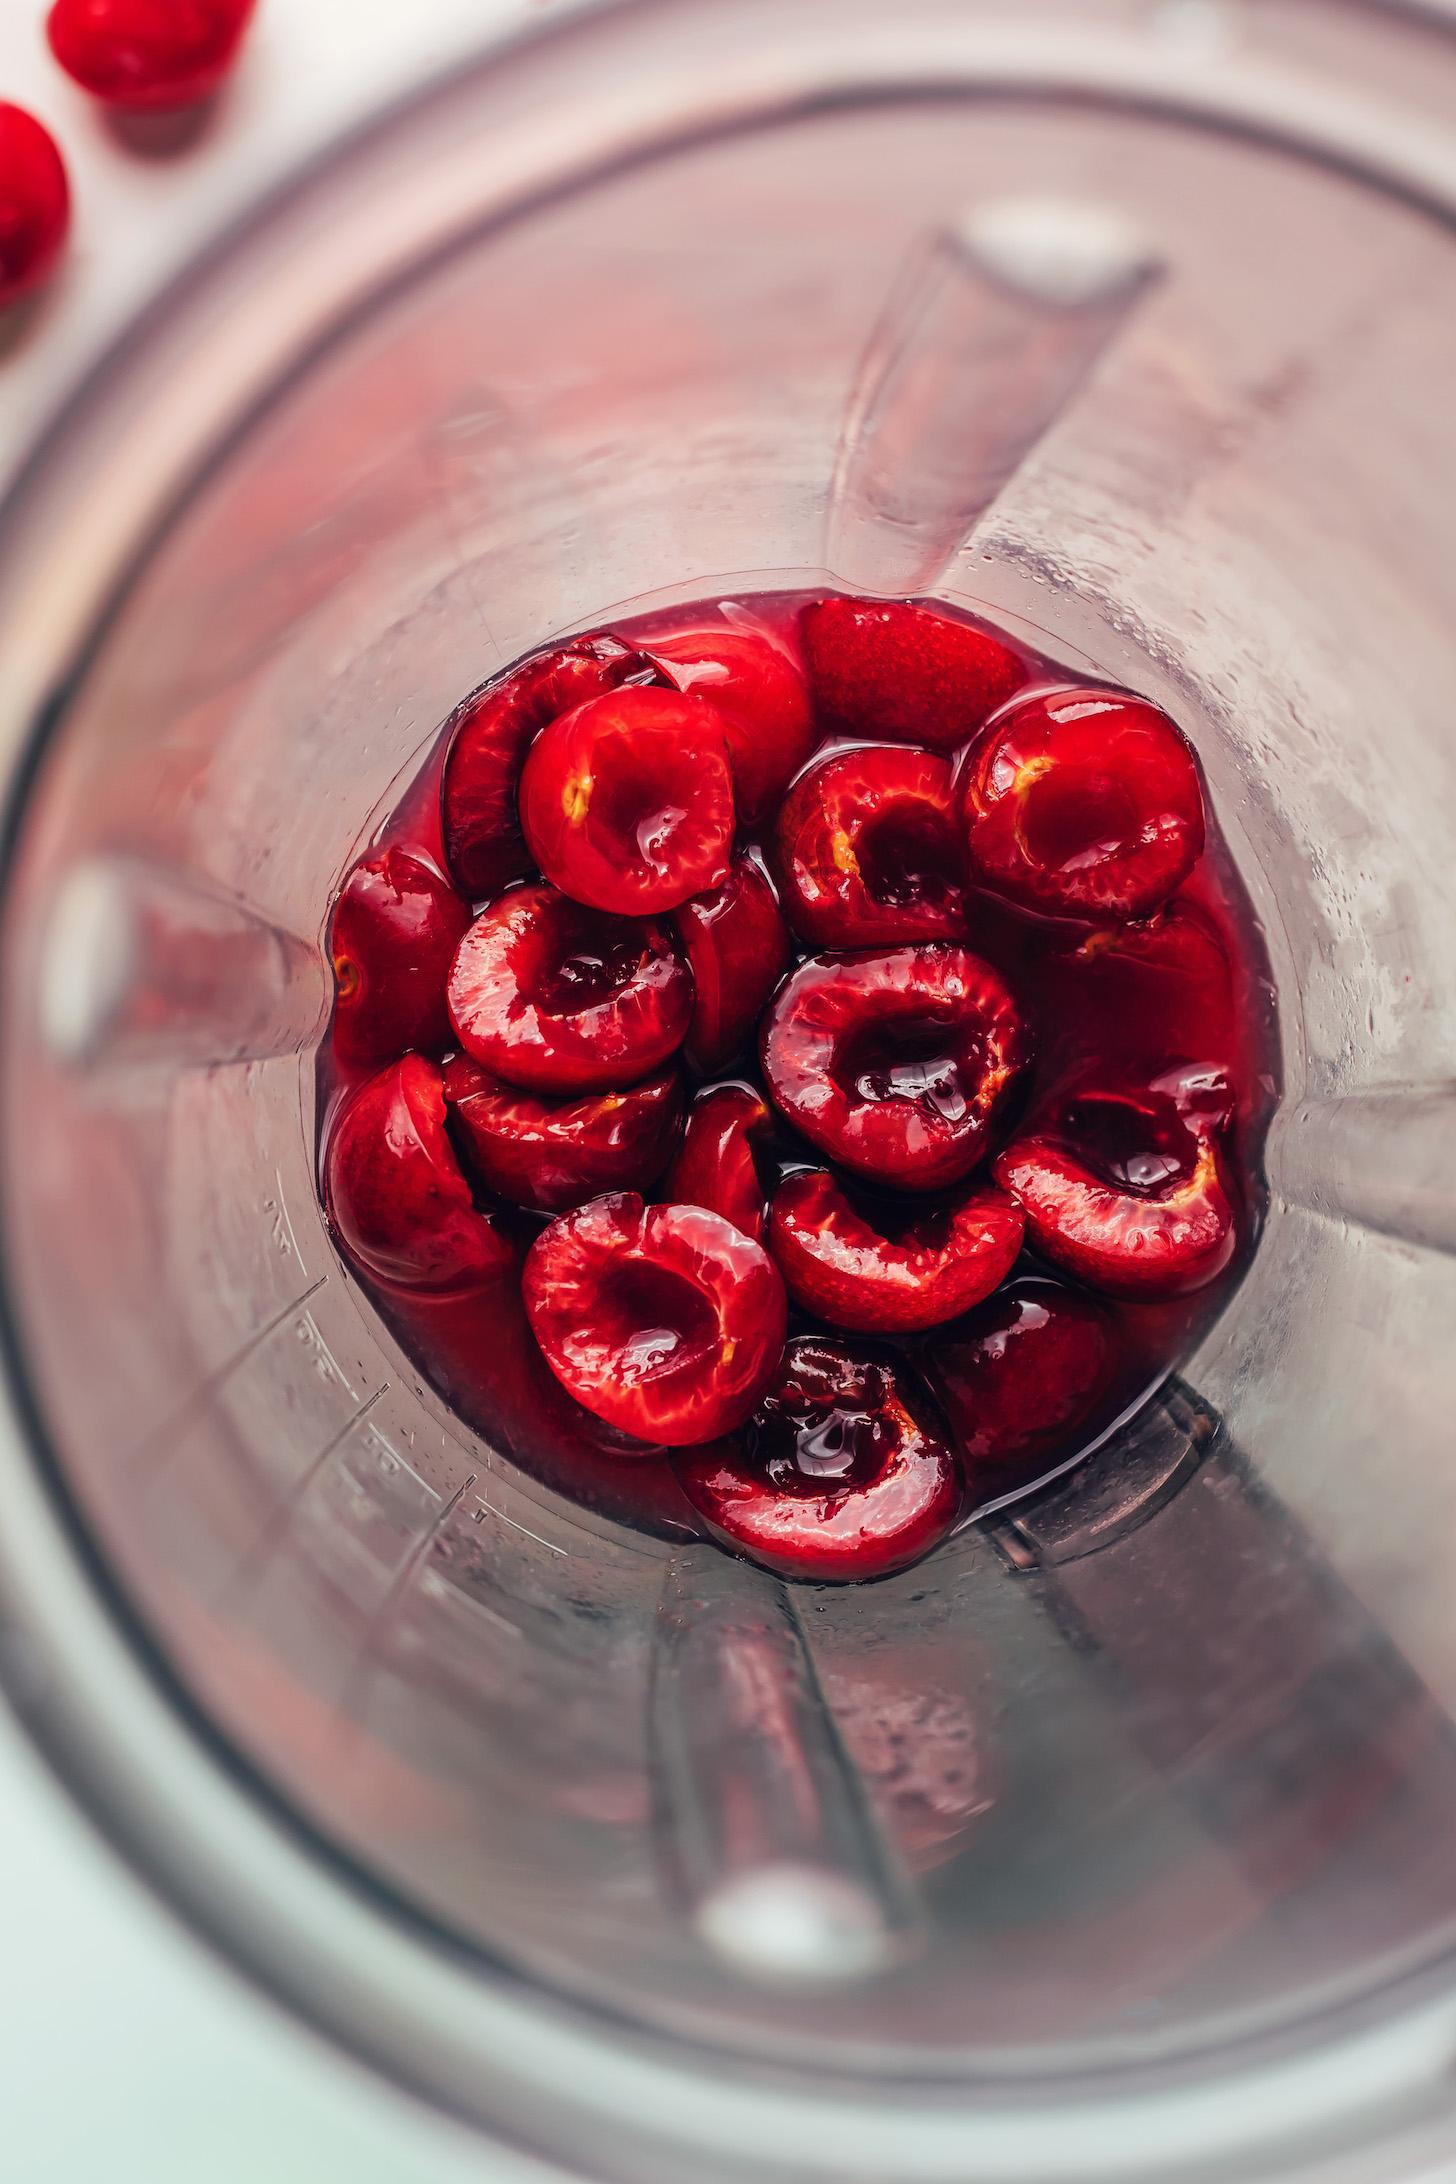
[(1038, 1798)]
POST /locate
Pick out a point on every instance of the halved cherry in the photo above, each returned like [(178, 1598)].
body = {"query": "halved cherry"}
[(758, 692), (1133, 998), (627, 802), (841, 1473), (716, 1167), (884, 1270), (396, 926), (903, 673), (868, 850), (896, 1062), (665, 1320), (558, 998), (737, 948), (1082, 803), (554, 1153), (1124, 1187), (490, 734), (1018, 1377), (394, 1191)]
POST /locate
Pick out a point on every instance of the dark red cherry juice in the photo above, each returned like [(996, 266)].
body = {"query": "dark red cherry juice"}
[(798, 1070)]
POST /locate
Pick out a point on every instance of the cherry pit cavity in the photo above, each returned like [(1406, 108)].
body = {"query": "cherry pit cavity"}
[(797, 1070)]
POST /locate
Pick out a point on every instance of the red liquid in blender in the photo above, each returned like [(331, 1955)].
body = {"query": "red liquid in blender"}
[(1178, 997)]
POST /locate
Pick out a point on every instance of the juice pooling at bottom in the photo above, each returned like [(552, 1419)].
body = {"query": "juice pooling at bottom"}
[(797, 1071)]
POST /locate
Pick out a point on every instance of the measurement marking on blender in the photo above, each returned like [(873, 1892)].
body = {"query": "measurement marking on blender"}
[(371, 1647), (254, 1565), (196, 1402), (487, 1508), (283, 1220)]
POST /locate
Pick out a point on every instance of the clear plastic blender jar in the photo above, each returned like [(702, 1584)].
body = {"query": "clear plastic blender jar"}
[(1116, 1839)]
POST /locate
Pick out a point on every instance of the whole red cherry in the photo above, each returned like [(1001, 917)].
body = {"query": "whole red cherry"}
[(148, 53), (553, 1153), (716, 1166), (399, 1204), (841, 1474), (758, 692), (665, 1320), (627, 802), (35, 203), (1018, 1377), (896, 1062), (737, 948), (1124, 1187), (558, 998), (1082, 803), (881, 1270), (489, 736), (899, 672), (396, 926), (868, 851)]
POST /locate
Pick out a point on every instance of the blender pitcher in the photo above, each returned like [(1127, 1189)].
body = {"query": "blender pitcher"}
[(1118, 1838)]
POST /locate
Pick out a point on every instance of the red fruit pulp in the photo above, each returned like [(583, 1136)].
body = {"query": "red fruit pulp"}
[(895, 669), (737, 948), (398, 1202), (1124, 1191), (1080, 803), (889, 1274), (627, 803), (842, 1475), (666, 1321), (396, 926), (557, 998), (1020, 1374), (756, 684), (718, 1165), (867, 850), (487, 738), (896, 1062), (567, 1009), (148, 53), (553, 1153)]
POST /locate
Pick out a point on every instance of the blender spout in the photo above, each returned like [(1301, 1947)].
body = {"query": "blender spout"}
[(765, 1835), (988, 336)]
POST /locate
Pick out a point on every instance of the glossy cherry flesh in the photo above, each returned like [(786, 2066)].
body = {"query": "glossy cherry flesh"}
[(867, 850), (717, 1166), (665, 1320), (148, 53), (892, 670), (825, 945), (737, 947), (758, 693), (1125, 1189), (395, 1194), (896, 1063), (488, 738), (883, 1272), (1082, 803), (549, 1154), (557, 998), (396, 926), (841, 1474), (627, 802), (1018, 1377)]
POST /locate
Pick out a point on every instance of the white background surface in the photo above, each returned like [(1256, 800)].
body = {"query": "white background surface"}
[(127, 2056)]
